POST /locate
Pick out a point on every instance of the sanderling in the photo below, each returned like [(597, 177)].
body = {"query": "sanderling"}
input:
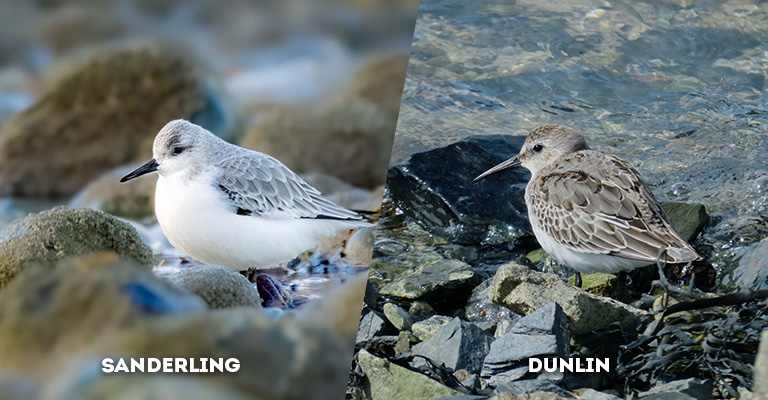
[(591, 211), (226, 205)]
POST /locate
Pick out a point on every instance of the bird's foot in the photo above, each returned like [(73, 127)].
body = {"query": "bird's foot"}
[(664, 283), (272, 292)]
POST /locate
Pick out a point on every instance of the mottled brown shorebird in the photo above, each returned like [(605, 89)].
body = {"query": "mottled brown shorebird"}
[(591, 211)]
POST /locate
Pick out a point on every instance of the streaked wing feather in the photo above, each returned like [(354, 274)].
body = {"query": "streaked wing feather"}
[(606, 209)]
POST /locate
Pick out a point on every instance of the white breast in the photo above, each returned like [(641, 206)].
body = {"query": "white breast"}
[(197, 220)]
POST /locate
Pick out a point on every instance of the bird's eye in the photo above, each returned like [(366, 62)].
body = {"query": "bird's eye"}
[(538, 148), (177, 150)]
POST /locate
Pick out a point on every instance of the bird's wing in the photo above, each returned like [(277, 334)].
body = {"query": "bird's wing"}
[(605, 208), (259, 185)]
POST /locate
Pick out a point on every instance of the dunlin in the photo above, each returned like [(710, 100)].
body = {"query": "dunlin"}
[(223, 204), (591, 211)]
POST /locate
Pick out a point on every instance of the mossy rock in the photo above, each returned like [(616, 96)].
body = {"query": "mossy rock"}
[(100, 112), (55, 234), (599, 284), (689, 219)]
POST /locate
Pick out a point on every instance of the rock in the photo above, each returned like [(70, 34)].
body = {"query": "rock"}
[(103, 112), (688, 219), (752, 271), (684, 389), (529, 386), (592, 394), (348, 138), (447, 203), (381, 82), (599, 284), (432, 280), (18, 388), (219, 286), (371, 325), (760, 388), (358, 249), (427, 328), (458, 345), (50, 314), (70, 26), (389, 381), (524, 291), (398, 317), (133, 201), (482, 311), (542, 334), (144, 386), (404, 341), (287, 358), (421, 310), (52, 235)]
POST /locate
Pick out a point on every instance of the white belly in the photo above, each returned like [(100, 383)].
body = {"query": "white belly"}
[(196, 220), (587, 263)]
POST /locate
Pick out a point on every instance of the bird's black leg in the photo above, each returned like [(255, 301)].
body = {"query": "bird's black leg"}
[(577, 279), (621, 285)]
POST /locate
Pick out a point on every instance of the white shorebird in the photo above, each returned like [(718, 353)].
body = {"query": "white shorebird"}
[(591, 211), (223, 204)]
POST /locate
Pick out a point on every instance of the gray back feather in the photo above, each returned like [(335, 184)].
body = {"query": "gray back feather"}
[(266, 188)]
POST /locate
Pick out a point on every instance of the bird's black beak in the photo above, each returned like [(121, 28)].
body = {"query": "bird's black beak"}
[(513, 162), (151, 166)]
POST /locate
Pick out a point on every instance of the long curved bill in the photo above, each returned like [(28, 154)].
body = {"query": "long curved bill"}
[(513, 162), (151, 166)]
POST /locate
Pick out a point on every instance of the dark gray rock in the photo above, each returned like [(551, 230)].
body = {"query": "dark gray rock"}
[(542, 334), (752, 271), (532, 386), (371, 325), (458, 345), (684, 389), (592, 394), (435, 188)]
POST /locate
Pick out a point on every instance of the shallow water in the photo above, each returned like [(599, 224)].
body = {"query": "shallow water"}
[(675, 87)]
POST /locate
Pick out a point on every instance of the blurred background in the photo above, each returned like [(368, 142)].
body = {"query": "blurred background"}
[(84, 268)]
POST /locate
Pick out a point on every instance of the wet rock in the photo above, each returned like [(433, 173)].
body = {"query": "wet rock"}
[(482, 311), (432, 281), (458, 345), (405, 340), (133, 201), (429, 327), (371, 325), (218, 286), (542, 334), (592, 394), (334, 136), (684, 389), (398, 317), (752, 271), (125, 386), (52, 235), (389, 381), (381, 82), (46, 312), (531, 386), (524, 291), (688, 219), (760, 388), (437, 196), (115, 101), (599, 284)]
